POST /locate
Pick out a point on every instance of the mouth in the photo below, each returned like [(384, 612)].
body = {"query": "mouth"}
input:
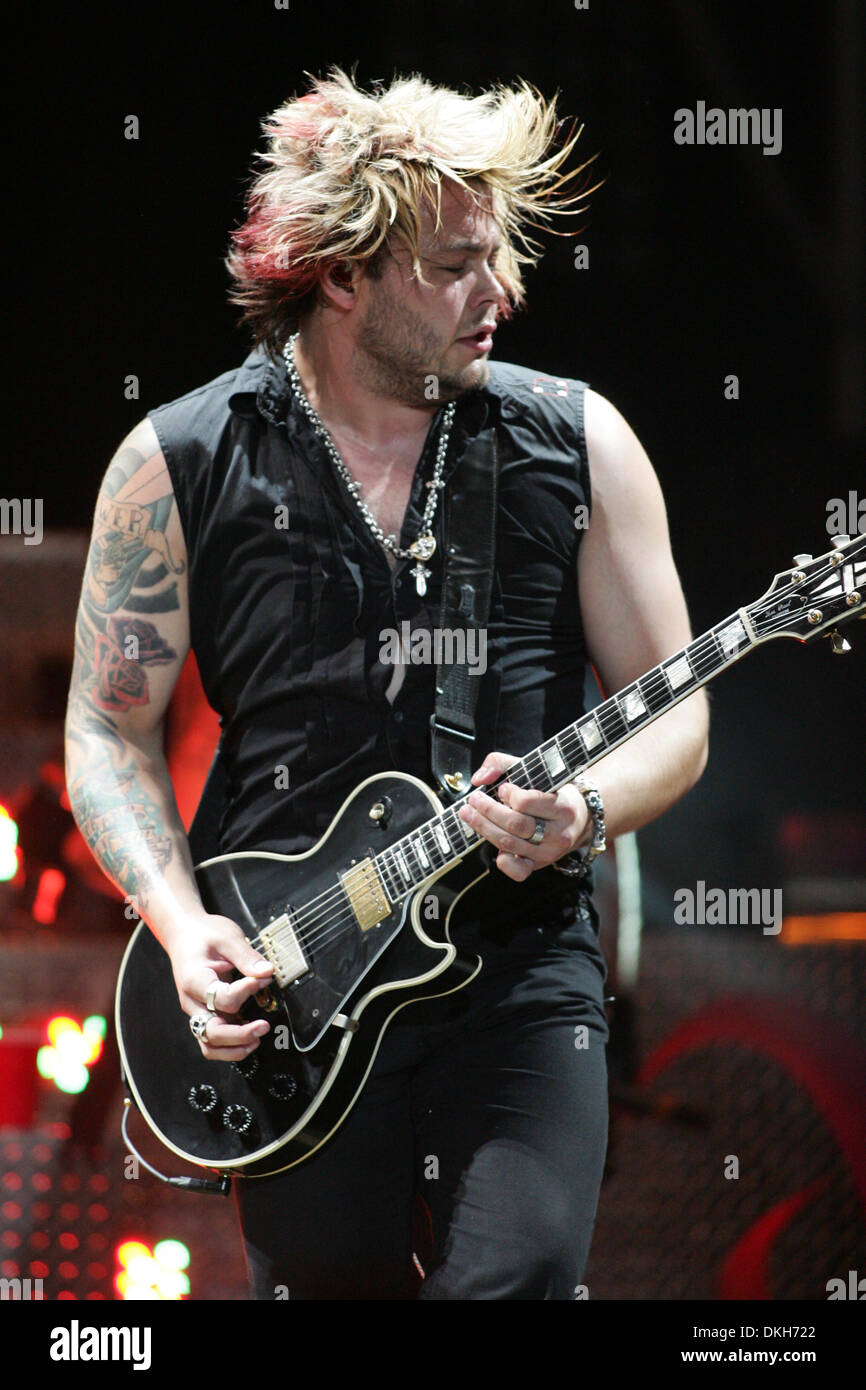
[(480, 341)]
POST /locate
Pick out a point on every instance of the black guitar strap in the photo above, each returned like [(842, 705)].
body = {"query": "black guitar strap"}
[(467, 585)]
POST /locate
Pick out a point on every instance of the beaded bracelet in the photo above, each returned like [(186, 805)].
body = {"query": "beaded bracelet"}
[(577, 863)]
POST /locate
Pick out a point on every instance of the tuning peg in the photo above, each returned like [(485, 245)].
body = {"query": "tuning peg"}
[(838, 643), (839, 541), (802, 559)]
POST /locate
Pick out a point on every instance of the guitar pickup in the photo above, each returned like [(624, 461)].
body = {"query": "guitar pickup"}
[(281, 946), (366, 894)]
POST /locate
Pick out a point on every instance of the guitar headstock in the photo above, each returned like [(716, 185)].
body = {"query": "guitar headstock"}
[(815, 596)]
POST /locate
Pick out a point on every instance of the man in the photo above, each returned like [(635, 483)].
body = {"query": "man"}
[(267, 519)]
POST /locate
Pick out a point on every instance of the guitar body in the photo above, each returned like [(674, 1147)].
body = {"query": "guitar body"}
[(274, 1109), (357, 928)]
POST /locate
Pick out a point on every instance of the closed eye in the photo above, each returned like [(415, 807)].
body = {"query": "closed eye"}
[(460, 269)]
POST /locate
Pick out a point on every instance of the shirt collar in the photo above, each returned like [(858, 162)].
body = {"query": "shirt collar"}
[(262, 386)]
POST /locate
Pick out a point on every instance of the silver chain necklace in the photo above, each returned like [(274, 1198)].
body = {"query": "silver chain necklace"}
[(422, 548)]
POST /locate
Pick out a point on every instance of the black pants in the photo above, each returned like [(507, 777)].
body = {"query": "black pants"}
[(491, 1106)]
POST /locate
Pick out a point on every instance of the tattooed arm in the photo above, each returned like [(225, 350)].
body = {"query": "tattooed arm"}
[(131, 639)]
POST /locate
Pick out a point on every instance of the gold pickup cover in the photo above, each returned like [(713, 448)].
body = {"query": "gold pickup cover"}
[(366, 894)]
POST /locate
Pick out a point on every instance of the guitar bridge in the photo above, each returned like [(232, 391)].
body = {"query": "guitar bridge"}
[(281, 946)]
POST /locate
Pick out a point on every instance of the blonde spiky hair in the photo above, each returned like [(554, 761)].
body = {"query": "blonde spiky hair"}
[(346, 170)]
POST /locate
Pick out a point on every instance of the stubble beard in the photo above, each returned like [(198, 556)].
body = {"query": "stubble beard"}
[(398, 356)]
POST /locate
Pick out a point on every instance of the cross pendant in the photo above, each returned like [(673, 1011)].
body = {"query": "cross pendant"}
[(420, 574)]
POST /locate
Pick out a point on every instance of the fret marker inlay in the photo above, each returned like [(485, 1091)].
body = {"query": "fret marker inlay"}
[(442, 840), (590, 733), (732, 637), (553, 761), (679, 672), (633, 706)]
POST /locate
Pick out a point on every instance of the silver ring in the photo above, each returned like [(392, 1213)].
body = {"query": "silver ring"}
[(209, 998), (538, 833), (198, 1027)]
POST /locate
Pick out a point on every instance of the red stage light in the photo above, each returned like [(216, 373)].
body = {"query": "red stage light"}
[(49, 891), (19, 1047)]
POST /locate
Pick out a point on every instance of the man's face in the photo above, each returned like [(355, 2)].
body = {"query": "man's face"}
[(407, 333)]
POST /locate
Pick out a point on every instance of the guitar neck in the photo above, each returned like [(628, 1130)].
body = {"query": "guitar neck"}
[(446, 838)]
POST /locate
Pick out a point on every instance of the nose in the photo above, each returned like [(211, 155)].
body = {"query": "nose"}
[(491, 290)]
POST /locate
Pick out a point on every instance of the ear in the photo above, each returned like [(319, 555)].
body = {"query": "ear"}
[(342, 273), (338, 283)]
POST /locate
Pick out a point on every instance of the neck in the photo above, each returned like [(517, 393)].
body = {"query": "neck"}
[(337, 381)]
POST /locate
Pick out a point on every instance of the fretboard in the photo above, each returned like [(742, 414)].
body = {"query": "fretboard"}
[(446, 838)]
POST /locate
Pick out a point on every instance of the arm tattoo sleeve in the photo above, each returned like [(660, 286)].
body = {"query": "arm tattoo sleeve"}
[(121, 823), (130, 567), (130, 571)]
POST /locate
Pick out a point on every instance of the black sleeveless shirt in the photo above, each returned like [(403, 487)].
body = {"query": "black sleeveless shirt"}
[(290, 596)]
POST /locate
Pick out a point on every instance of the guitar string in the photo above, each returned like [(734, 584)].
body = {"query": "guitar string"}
[(335, 925), (305, 918), (305, 921)]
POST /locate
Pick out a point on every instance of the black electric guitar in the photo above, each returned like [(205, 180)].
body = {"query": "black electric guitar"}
[(357, 928)]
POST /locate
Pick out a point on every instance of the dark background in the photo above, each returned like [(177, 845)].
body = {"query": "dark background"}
[(704, 261)]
